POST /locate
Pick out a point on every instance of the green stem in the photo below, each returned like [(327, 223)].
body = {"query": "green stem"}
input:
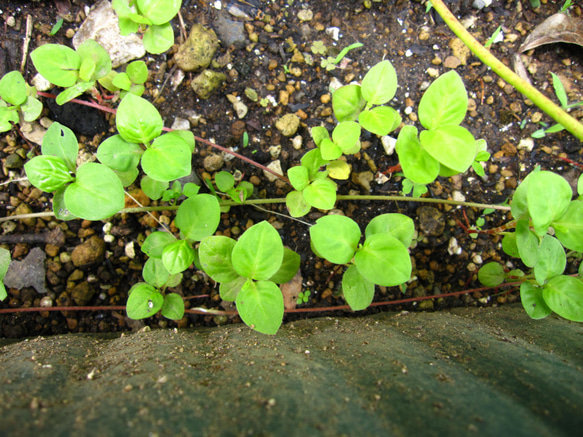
[(282, 200), (531, 93)]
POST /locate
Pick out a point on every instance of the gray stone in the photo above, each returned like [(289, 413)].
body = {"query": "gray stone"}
[(198, 50), (207, 82), (102, 26), (30, 272), (230, 32)]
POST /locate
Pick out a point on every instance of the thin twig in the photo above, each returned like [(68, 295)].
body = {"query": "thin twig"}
[(26, 42)]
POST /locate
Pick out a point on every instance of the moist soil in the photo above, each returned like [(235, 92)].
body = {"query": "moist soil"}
[(416, 42)]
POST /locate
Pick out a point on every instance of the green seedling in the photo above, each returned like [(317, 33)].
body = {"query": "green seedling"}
[(226, 183), (17, 100), (494, 37), (543, 201), (56, 27), (303, 297), (91, 191), (445, 148), (330, 62), (319, 48), (151, 17), (245, 140), (415, 189), (566, 6), (131, 81), (248, 271), (563, 100), (4, 264), (382, 259), (76, 71)]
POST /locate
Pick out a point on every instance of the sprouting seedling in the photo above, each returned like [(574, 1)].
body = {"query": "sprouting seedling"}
[(566, 6), (494, 38), (304, 297), (16, 99), (330, 63)]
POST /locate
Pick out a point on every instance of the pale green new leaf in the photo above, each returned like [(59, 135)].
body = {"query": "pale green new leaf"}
[(260, 306)]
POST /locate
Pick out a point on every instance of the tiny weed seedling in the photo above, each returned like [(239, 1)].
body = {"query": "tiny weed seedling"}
[(131, 81), (330, 63), (4, 264), (303, 297), (17, 99), (151, 17), (76, 71)]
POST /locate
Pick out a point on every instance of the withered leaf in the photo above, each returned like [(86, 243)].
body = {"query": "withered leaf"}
[(557, 28)]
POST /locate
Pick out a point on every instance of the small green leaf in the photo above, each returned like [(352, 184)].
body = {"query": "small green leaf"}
[(548, 196), (348, 102), (159, 11), (560, 90), (330, 150), (569, 227), (57, 63), (564, 295), (358, 291), (8, 116), (49, 173), (519, 206), (453, 146), (321, 194), (137, 72), (173, 307), (118, 154), (319, 133), (532, 300), (444, 103), (96, 194), (137, 120), (122, 81), (4, 262), (143, 301), (92, 53), (198, 216), (167, 159), (215, 254), (299, 177), (59, 208), (396, 225), (31, 109), (380, 83), (177, 256), (154, 272), (339, 169), (491, 274), (229, 290), (224, 181), (158, 39), (260, 306), (86, 70), (527, 243), (383, 260), (155, 243), (74, 91), (13, 88), (551, 260), (259, 252), (153, 189), (345, 135), (289, 267), (60, 141), (296, 204), (509, 245), (335, 238), (418, 165), (380, 120), (313, 160)]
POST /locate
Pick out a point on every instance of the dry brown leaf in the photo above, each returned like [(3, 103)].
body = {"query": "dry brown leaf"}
[(291, 290), (557, 28)]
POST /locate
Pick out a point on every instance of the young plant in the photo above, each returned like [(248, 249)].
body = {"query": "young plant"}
[(445, 148), (150, 16), (330, 63), (17, 100), (197, 218), (131, 81), (4, 264), (543, 201), (248, 271), (76, 71), (91, 191), (383, 259), (226, 183)]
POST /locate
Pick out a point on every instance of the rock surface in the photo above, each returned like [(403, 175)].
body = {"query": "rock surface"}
[(89, 252), (483, 372), (206, 83), (198, 50)]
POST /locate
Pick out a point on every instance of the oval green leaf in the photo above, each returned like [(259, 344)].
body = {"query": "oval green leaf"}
[(154, 272), (289, 267), (96, 194), (551, 260), (452, 146), (49, 173), (260, 306), (564, 295), (177, 256), (158, 39), (383, 260), (155, 243), (418, 165), (173, 307), (396, 225), (321, 194), (143, 301), (296, 204), (548, 196), (118, 154), (527, 243), (569, 227), (380, 120), (13, 88), (215, 254), (380, 83), (444, 103), (299, 177), (347, 102), (60, 141), (167, 159), (345, 135), (259, 252), (335, 238), (358, 291), (229, 290), (198, 217), (57, 63), (159, 11), (137, 120), (532, 301), (491, 274)]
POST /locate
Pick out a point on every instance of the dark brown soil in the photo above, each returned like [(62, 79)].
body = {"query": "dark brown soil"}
[(400, 31)]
